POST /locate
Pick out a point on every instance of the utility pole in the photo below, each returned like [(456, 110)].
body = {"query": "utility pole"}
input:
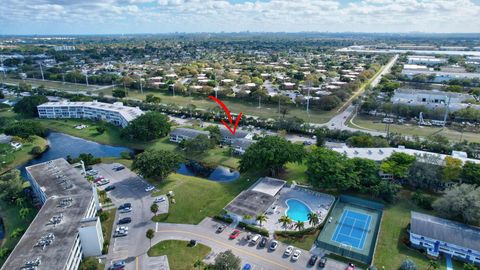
[(446, 112), (141, 87), (308, 100), (41, 71), (86, 77), (259, 101)]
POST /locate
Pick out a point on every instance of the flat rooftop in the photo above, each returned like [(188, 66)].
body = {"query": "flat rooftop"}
[(68, 207), (269, 185)]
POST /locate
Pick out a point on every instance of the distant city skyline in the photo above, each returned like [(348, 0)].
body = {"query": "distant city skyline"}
[(45, 17)]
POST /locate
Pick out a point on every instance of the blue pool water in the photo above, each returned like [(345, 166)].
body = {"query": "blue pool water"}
[(297, 210)]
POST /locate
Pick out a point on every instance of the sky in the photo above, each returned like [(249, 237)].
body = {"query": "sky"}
[(50, 17)]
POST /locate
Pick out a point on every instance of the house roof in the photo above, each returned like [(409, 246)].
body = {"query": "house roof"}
[(188, 132), (242, 143), (238, 134), (445, 230)]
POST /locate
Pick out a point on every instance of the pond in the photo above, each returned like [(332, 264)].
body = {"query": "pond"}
[(216, 173), (61, 145)]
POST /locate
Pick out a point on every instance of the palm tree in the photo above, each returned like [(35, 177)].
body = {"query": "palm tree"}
[(247, 217), (154, 209), (150, 234), (313, 219), (261, 218), (17, 233), (300, 225), (24, 212), (432, 265), (20, 201), (198, 264), (285, 220)]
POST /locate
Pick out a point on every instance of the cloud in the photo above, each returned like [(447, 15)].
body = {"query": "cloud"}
[(121, 16)]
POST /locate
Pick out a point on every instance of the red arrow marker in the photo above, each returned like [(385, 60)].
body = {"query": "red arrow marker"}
[(227, 111)]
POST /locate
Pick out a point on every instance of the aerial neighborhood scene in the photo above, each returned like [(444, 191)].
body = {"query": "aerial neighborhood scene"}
[(240, 134)]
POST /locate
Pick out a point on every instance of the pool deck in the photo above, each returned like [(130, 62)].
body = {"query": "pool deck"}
[(316, 201)]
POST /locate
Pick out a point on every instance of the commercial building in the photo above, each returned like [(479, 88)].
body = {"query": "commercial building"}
[(115, 113), (440, 76), (66, 229), (179, 134), (426, 60), (433, 99), (441, 236)]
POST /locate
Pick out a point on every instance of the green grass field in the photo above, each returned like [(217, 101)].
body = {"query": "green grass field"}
[(197, 198), (305, 242), (54, 85), (180, 255), (391, 251), (248, 108), (13, 158), (410, 129), (107, 225)]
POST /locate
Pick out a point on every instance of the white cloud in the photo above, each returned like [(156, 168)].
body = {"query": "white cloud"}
[(111, 16)]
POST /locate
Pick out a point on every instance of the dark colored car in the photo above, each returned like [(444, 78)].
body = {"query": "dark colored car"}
[(125, 205), (125, 220), (322, 262), (119, 168), (313, 260), (263, 242), (109, 188)]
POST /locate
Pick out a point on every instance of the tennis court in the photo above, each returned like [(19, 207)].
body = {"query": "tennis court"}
[(352, 229)]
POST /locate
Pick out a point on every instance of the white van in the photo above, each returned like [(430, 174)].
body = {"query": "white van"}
[(255, 239)]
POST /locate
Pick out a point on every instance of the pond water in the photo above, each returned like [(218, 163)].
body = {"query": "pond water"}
[(61, 145), (218, 173)]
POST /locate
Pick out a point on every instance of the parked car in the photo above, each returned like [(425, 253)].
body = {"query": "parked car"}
[(288, 251), (220, 228), (322, 262), (234, 234), (313, 260), (103, 182), (118, 265), (149, 188), (247, 267), (109, 188), (296, 254), (255, 239), (263, 242), (125, 208), (159, 199), (118, 168), (124, 220), (351, 266), (274, 245), (98, 179)]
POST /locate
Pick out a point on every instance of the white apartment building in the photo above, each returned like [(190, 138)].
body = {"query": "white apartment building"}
[(115, 113), (66, 229), (442, 236), (426, 60)]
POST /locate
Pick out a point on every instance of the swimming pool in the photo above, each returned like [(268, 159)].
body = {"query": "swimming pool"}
[(297, 210)]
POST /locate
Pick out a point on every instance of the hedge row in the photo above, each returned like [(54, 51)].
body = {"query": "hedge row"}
[(296, 233), (254, 229)]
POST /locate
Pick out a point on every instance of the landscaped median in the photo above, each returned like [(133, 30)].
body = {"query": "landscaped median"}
[(181, 255)]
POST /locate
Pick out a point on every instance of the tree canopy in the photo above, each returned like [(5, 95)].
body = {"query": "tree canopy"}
[(197, 145), (11, 185), (460, 202), (28, 105), (156, 163), (147, 127), (271, 153), (470, 173), (25, 129), (226, 261), (398, 164)]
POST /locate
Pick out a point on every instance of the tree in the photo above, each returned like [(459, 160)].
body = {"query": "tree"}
[(17, 233), (299, 225), (425, 176), (198, 264), (271, 153), (90, 263), (261, 218), (197, 145), (154, 209), (226, 261), (470, 173), (215, 135), (432, 265), (460, 202), (313, 219), (327, 103), (469, 266), (452, 169), (386, 190), (119, 93), (101, 129), (147, 127), (24, 212), (367, 173), (285, 220), (408, 265), (152, 163), (398, 164), (25, 129), (321, 138), (28, 105), (150, 98), (11, 185), (329, 169), (150, 234), (4, 252)]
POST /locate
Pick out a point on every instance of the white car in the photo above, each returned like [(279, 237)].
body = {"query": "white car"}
[(159, 200), (149, 188), (296, 255), (288, 251)]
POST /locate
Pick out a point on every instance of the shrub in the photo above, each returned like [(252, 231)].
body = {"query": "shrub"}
[(253, 229), (423, 200), (222, 218), (37, 150), (296, 234), (408, 265)]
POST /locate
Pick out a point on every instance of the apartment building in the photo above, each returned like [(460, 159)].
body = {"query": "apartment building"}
[(442, 236), (66, 229), (115, 113)]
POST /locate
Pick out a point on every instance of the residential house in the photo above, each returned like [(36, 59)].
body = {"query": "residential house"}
[(179, 134)]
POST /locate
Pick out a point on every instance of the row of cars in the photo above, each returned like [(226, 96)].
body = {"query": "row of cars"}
[(122, 230)]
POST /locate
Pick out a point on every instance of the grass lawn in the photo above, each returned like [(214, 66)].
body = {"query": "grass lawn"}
[(409, 129), (391, 251), (180, 255), (197, 198), (236, 106), (295, 172), (14, 158), (219, 156), (53, 84), (107, 228), (12, 221), (305, 242)]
